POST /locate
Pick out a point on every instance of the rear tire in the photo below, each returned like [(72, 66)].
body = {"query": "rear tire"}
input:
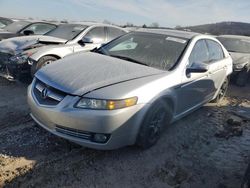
[(241, 78), (43, 61), (156, 118)]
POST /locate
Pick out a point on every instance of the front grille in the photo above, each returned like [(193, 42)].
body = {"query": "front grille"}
[(47, 95), (4, 57), (74, 132)]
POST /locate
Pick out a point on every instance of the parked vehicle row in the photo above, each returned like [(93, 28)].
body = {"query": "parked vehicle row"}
[(25, 27), (25, 55), (128, 90), (126, 86)]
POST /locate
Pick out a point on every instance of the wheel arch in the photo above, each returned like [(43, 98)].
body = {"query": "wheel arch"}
[(168, 99), (52, 55), (168, 102)]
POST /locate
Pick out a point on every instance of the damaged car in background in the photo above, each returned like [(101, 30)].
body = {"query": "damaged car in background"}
[(128, 90), (239, 49), (4, 22), (25, 55), (25, 27)]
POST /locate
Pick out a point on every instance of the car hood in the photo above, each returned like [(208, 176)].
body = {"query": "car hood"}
[(16, 45), (85, 72), (239, 58)]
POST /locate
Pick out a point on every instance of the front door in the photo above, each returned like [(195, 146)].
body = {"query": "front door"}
[(196, 88)]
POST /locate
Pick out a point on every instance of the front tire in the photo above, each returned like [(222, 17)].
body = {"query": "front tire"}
[(156, 118), (43, 61)]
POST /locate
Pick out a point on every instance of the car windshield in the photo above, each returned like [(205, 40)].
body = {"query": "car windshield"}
[(67, 31), (236, 45), (153, 50), (16, 26)]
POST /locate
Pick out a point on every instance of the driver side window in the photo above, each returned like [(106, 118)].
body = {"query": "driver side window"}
[(97, 34), (199, 53)]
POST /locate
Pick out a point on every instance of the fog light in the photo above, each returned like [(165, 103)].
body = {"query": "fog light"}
[(101, 138)]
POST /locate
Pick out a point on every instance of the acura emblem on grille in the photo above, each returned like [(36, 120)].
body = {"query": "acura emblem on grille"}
[(44, 93)]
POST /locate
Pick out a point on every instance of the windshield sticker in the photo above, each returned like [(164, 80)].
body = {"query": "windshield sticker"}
[(176, 40)]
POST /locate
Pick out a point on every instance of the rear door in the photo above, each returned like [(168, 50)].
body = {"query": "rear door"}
[(217, 63)]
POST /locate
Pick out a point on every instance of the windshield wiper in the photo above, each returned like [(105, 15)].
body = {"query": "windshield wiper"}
[(130, 59), (98, 50)]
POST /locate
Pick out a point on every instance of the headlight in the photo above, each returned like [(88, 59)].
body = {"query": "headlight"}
[(239, 66), (241, 63), (100, 104), (20, 58)]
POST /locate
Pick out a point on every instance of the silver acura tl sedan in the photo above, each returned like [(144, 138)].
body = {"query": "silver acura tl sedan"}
[(128, 90)]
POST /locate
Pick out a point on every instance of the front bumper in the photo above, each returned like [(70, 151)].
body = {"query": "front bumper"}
[(13, 71), (121, 125)]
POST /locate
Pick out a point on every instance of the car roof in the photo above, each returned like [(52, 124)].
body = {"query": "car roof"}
[(94, 23), (172, 32), (3, 18), (39, 21), (234, 37)]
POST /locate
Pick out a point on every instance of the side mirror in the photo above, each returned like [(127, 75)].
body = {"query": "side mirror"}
[(28, 32), (197, 68), (86, 40)]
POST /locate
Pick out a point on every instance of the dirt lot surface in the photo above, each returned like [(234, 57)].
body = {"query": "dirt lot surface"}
[(208, 148)]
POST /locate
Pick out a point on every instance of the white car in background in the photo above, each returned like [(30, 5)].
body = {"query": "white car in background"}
[(20, 56), (72, 38)]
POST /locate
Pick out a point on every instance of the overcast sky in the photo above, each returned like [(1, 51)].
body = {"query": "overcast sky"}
[(167, 13)]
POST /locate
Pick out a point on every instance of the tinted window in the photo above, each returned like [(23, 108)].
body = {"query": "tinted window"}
[(2, 25), (199, 53), (39, 28), (67, 31), (16, 26), (236, 44), (97, 34), (154, 50), (4, 22), (215, 51), (114, 33)]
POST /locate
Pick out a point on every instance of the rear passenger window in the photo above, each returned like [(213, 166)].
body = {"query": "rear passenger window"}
[(114, 33), (199, 53), (215, 51)]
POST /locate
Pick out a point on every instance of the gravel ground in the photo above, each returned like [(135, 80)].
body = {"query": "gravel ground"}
[(209, 148)]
